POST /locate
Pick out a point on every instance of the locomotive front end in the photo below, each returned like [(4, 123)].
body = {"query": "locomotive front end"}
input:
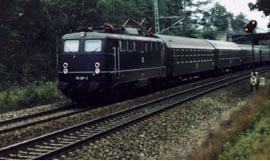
[(84, 66)]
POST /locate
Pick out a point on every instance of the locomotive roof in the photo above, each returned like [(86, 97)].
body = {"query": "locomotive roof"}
[(97, 35), (224, 45), (186, 43)]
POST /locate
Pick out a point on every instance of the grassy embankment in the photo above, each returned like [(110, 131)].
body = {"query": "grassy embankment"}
[(253, 144), (35, 94), (246, 135)]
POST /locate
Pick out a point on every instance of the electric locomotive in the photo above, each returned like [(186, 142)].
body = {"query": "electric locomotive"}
[(93, 64)]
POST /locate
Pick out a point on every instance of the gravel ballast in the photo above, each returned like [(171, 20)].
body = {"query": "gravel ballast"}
[(171, 135), (41, 129)]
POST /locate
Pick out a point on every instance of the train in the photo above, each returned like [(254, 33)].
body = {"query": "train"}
[(100, 64)]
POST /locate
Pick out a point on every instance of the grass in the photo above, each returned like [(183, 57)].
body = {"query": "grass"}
[(17, 97), (254, 143), (242, 120)]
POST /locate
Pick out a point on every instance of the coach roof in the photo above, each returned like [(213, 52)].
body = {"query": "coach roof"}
[(224, 45), (185, 43)]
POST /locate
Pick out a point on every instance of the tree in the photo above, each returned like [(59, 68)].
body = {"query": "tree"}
[(187, 9), (209, 33), (261, 5), (238, 23), (218, 17)]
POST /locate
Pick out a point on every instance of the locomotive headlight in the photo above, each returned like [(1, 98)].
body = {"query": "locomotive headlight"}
[(97, 65), (65, 71), (97, 71), (65, 65)]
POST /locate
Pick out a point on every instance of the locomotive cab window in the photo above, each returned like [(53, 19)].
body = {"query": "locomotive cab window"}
[(71, 46), (93, 45)]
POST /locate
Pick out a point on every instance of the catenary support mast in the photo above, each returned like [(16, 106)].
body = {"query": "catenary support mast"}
[(157, 27)]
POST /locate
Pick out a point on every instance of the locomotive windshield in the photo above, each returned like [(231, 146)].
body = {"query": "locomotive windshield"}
[(93, 45), (71, 46)]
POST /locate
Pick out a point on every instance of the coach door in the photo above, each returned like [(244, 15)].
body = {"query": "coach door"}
[(116, 61)]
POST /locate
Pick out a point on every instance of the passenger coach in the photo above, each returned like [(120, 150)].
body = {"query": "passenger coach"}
[(186, 56)]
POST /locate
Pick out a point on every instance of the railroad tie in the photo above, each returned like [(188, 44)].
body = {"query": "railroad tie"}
[(41, 150), (45, 147), (66, 142), (73, 137), (22, 152), (57, 145), (68, 139), (4, 158), (85, 135), (36, 153), (21, 156), (89, 128)]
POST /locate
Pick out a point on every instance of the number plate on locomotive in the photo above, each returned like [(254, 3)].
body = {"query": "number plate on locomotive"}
[(81, 78)]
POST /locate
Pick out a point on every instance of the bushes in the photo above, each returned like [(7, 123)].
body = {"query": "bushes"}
[(31, 95), (215, 147), (252, 144)]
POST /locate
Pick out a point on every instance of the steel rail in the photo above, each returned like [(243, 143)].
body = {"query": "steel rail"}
[(49, 145), (36, 116)]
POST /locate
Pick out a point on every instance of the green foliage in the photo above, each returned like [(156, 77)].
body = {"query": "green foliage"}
[(261, 5), (238, 23), (252, 144), (31, 95), (209, 33)]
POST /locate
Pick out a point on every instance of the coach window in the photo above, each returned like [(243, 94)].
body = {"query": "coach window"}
[(71, 46), (191, 56), (138, 46), (130, 46), (177, 51), (93, 46), (154, 47), (142, 47), (134, 46), (183, 58), (161, 48), (149, 49), (187, 56), (122, 45)]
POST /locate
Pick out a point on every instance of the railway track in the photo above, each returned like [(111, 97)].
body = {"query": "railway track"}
[(49, 145), (40, 117)]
